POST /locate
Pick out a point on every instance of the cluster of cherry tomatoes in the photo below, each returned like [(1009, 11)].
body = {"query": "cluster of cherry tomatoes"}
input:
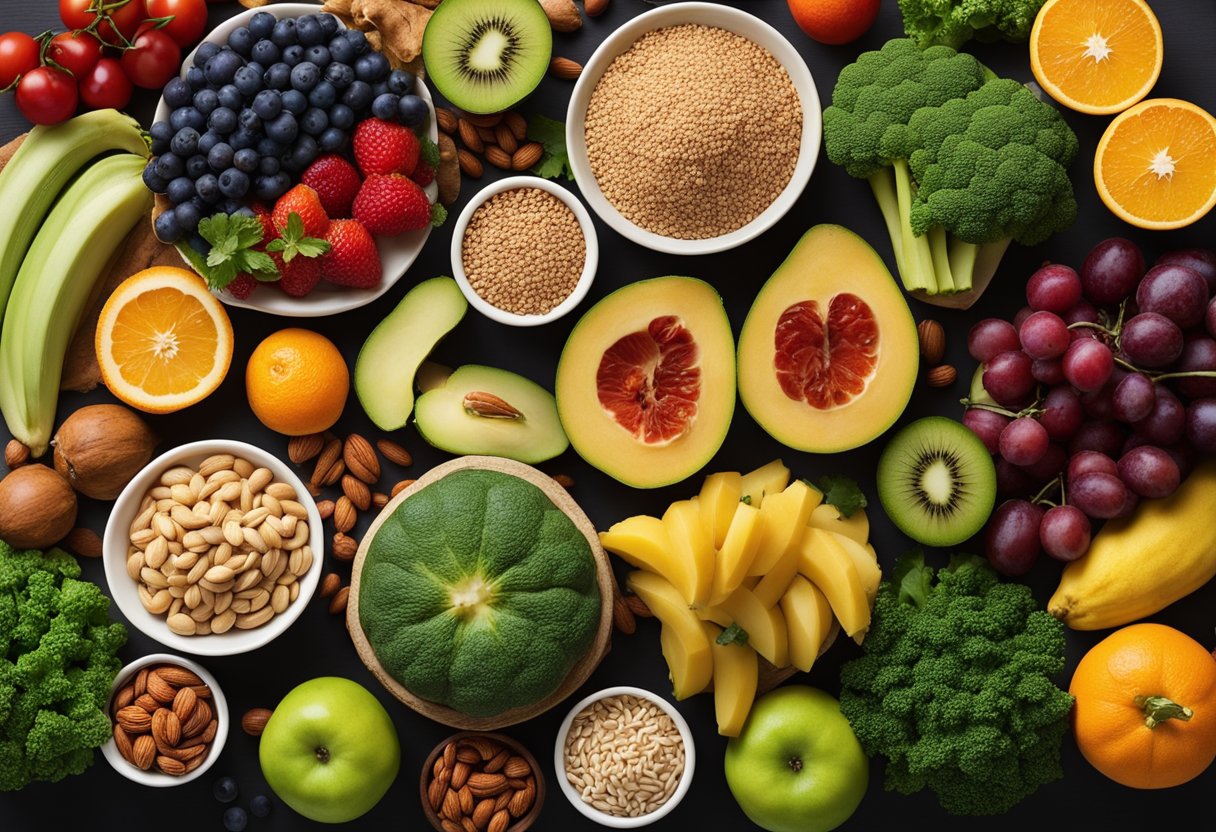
[(111, 47)]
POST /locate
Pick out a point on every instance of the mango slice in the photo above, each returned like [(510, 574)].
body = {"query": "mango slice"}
[(808, 618), (642, 541), (718, 498), (865, 559), (829, 567), (691, 544), (828, 518), (737, 552), (767, 479), (682, 637), (784, 516), (765, 626), (736, 676)]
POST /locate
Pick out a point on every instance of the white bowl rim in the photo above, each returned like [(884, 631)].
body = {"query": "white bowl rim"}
[(115, 541), (338, 299), (154, 778), (590, 265), (732, 19), (589, 811)]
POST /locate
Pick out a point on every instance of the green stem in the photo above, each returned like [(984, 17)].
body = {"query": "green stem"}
[(1055, 483), (882, 183), (1186, 374), (918, 258), (940, 254), (1157, 709)]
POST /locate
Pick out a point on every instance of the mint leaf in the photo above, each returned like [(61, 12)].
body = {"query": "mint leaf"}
[(232, 238), (843, 493), (292, 241), (746, 499), (734, 634), (552, 136), (913, 578), (260, 265)]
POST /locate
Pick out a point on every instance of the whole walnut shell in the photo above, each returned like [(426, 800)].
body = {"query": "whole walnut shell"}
[(99, 448), (37, 508)]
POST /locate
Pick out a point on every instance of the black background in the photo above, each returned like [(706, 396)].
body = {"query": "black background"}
[(318, 645)]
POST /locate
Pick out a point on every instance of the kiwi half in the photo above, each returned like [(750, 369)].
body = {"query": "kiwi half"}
[(487, 55), (936, 481)]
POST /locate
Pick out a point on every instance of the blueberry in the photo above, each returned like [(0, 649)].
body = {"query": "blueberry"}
[(180, 190), (265, 53), (222, 120), (340, 75), (295, 102), (329, 24), (284, 32), (221, 68), (166, 227), (207, 141), (241, 40), (220, 157), (186, 117), (230, 97), (309, 30), (385, 106), (260, 806), (206, 100), (185, 142), (341, 116), (187, 217), (342, 50), (304, 76), (262, 24), (293, 55), (357, 96), (205, 52), (235, 819), (268, 147), (371, 67), (242, 138), (169, 166), (332, 140), (196, 79), (358, 40), (246, 160), (256, 67), (235, 183), (270, 188), (249, 120), (412, 111), (278, 77), (248, 80), (225, 790), (152, 180), (208, 188), (161, 133), (314, 121), (283, 129), (323, 95), (200, 245), (196, 166), (400, 82), (177, 93), (267, 104), (269, 165), (233, 207), (303, 154)]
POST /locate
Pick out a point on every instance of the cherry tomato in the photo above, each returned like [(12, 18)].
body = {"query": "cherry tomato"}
[(106, 86), (189, 19), (77, 52), (153, 60), (18, 55), (46, 95), (125, 15)]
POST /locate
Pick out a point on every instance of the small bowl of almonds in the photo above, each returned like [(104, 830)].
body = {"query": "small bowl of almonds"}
[(214, 548), (170, 721), (482, 781), (624, 757)]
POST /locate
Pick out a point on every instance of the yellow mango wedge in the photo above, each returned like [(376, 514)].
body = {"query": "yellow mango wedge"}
[(642, 541), (767, 479), (718, 498), (765, 626), (773, 584), (808, 619), (784, 516), (691, 544), (682, 637), (828, 518), (865, 559), (736, 676), (737, 552), (827, 565)]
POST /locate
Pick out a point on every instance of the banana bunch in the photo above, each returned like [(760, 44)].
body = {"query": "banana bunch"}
[(752, 567), (67, 206)]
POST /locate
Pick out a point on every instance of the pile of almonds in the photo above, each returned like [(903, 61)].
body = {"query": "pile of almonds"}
[(500, 138), (478, 785), (932, 338), (163, 720)]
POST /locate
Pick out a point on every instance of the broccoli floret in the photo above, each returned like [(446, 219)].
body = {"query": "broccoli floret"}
[(955, 688), (953, 22)]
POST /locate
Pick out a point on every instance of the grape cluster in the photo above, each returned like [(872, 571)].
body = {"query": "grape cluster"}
[(1102, 392), (251, 115)]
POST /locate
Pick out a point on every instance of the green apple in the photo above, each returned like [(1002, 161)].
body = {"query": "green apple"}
[(330, 750), (796, 766)]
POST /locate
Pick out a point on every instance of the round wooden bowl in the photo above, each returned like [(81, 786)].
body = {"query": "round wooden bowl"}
[(577, 675), (517, 824)]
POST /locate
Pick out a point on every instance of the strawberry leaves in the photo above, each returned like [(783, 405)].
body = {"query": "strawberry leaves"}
[(292, 241), (233, 239)]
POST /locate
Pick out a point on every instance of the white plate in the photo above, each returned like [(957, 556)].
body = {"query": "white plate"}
[(397, 254)]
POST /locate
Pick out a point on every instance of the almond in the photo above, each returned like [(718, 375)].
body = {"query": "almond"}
[(330, 584), (166, 727), (84, 542), (344, 548), (122, 741), (498, 157), (942, 375), (500, 821), (379, 499), (435, 793), (564, 480), (487, 748), (517, 767), (326, 509), (495, 763), (489, 406), (638, 607), (401, 486), (184, 703), (143, 752), (208, 735), (360, 458), (330, 454), (482, 812), (134, 720), (337, 604), (178, 676), (517, 124), (159, 689), (122, 699), (466, 800), (197, 721), (503, 800), (300, 449), (344, 514), (468, 825), (482, 784), (460, 773), (504, 138), (483, 119), (141, 681), (254, 721), (170, 766), (595, 8), (335, 473), (469, 754), (622, 617), (15, 454), (521, 802), (932, 337), (447, 759), (470, 165), (527, 156), (357, 492), (468, 135), (146, 702), (451, 806), (450, 826), (486, 134), (445, 120), (565, 69), (394, 453)]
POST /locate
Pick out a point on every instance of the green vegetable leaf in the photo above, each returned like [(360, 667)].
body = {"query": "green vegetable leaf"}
[(430, 151), (913, 578), (439, 215), (734, 634), (746, 499), (552, 135), (232, 239), (843, 493), (293, 242)]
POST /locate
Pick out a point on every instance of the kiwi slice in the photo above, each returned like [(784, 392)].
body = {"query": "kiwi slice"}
[(936, 481), (487, 55)]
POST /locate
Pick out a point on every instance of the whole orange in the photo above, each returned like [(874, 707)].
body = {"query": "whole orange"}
[(834, 21), (1146, 707), (297, 382)]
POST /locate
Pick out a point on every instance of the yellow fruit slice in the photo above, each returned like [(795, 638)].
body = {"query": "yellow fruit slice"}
[(765, 626), (856, 525), (738, 550), (718, 498), (865, 559), (691, 544), (682, 637), (808, 619), (736, 677), (163, 340), (767, 479), (642, 541), (828, 566), (1156, 164), (784, 516), (1096, 56)]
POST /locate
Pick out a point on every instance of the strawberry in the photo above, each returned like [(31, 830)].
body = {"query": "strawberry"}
[(336, 182), (424, 174), (242, 286), (298, 258), (304, 201), (391, 205), (384, 147), (269, 232), (353, 259)]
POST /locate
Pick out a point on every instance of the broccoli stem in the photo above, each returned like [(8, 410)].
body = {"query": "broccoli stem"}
[(939, 249), (973, 264), (882, 183), (1157, 709), (920, 273)]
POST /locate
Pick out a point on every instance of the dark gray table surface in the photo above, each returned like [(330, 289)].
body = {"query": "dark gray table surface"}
[(318, 645)]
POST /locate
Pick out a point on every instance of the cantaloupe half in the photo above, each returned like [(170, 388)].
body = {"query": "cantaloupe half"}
[(646, 382), (828, 354)]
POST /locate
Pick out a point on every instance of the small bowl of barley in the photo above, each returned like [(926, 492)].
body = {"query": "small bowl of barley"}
[(624, 757), (524, 251)]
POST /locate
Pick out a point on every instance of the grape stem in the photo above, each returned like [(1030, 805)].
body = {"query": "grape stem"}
[(1040, 499), (1030, 410)]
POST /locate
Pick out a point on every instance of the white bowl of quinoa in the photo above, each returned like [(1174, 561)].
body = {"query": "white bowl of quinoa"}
[(524, 251), (693, 128)]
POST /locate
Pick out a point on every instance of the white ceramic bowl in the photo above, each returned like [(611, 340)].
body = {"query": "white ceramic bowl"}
[(218, 703), (397, 254), (589, 811), (707, 14), (125, 591), (589, 266)]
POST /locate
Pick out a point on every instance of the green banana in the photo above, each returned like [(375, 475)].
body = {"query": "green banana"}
[(41, 168), (56, 284)]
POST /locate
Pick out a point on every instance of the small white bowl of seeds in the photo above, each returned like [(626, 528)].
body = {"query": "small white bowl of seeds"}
[(624, 757), (524, 251)]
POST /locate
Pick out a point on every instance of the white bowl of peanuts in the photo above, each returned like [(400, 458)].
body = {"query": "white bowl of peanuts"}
[(213, 548), (624, 757)]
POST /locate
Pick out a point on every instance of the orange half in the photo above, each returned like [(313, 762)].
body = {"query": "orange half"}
[(1156, 164), (1096, 56), (163, 340)]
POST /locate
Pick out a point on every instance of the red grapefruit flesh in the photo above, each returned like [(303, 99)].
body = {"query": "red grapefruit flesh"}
[(826, 365), (650, 381)]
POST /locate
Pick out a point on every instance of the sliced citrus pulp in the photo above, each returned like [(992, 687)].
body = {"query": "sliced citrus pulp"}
[(1156, 164), (163, 341), (1096, 56)]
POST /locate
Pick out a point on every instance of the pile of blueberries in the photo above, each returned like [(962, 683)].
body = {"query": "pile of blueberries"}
[(250, 116)]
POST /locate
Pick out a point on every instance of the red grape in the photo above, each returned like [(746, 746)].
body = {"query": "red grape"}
[(1209, 318), (1049, 466), (1007, 377), (1111, 270), (987, 425), (1184, 457), (1198, 353), (1054, 288), (1085, 462), (1151, 340), (1150, 472), (991, 337), (1104, 437), (1088, 364), (1178, 293), (1012, 481), (1048, 371), (1023, 441), (1098, 495), (1012, 539), (1130, 500), (1201, 425), (1064, 532), (1134, 397), (1100, 404), (1062, 414), (1044, 335), (1202, 260), (1082, 311), (1166, 422), (1021, 315)]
